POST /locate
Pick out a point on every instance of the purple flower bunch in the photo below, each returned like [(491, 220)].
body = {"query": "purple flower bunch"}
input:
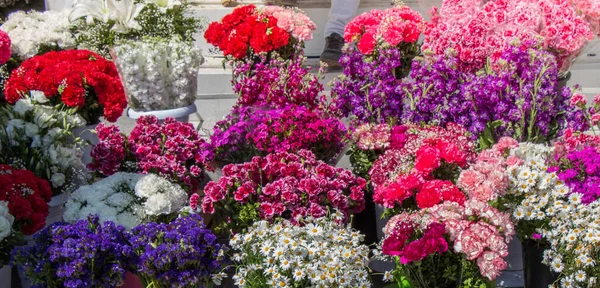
[(367, 90), (516, 96), (171, 149), (182, 253), (577, 164), (276, 82), (249, 132), (84, 254)]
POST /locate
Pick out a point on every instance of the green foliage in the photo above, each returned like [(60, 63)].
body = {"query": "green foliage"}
[(362, 160)]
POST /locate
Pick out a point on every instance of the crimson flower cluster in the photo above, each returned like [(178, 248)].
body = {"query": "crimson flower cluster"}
[(249, 132), (171, 149), (27, 197), (76, 78), (246, 31), (282, 185)]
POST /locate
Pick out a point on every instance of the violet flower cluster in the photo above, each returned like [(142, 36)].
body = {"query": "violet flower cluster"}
[(367, 89), (84, 254), (517, 96), (171, 149), (182, 253), (276, 82), (249, 132)]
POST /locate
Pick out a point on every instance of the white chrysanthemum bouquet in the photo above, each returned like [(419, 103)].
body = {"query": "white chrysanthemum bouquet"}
[(127, 199), (35, 32), (158, 74), (320, 253)]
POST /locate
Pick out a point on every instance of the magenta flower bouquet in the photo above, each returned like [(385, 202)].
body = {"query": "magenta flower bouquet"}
[(171, 149), (281, 185), (249, 132)]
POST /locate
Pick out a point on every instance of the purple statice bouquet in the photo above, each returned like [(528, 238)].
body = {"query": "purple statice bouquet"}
[(277, 83), (251, 131), (172, 149), (366, 91), (516, 96), (84, 254), (182, 253), (577, 163)]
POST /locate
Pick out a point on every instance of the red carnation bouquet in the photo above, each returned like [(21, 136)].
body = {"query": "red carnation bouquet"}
[(27, 197), (248, 31), (78, 79)]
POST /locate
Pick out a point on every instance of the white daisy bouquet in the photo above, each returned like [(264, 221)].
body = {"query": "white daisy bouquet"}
[(321, 253), (33, 32), (40, 139), (532, 190), (127, 199), (158, 73)]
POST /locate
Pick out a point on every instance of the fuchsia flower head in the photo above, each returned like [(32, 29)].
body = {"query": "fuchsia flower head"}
[(5, 51)]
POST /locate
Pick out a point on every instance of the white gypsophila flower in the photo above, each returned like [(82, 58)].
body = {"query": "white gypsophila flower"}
[(159, 74), (284, 254), (28, 31), (111, 198), (161, 196)]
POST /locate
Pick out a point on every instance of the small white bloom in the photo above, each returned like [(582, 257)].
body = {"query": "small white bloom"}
[(58, 179), (38, 96), (23, 106)]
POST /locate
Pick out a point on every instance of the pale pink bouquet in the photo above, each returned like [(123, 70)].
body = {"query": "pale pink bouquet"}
[(292, 20)]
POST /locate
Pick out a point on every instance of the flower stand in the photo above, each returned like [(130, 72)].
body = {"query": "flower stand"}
[(5, 276), (57, 208), (86, 133), (180, 114), (378, 265)]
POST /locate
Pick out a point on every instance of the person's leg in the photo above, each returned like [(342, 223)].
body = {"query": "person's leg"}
[(340, 14)]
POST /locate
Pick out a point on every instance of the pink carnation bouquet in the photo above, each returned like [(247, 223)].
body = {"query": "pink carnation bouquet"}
[(281, 185), (171, 149), (475, 30), (5, 52), (292, 20), (437, 189)]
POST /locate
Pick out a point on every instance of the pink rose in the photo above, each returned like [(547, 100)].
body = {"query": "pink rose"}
[(491, 264)]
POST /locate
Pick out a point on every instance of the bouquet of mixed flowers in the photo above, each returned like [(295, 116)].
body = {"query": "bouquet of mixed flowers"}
[(277, 83), (100, 25), (126, 199), (369, 141), (77, 79), (34, 33), (453, 227), (249, 132), (9, 236), (382, 46), (172, 149), (515, 96), (486, 28), (27, 197), (182, 253), (101, 257), (158, 73), (39, 138), (319, 253), (282, 185), (249, 31)]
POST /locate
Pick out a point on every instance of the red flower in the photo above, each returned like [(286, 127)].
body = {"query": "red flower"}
[(428, 158), (429, 194), (367, 43)]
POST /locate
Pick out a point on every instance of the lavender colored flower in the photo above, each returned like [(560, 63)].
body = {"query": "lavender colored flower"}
[(84, 254), (366, 91), (182, 253)]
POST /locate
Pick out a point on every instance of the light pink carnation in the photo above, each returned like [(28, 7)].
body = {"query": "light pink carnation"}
[(470, 179), (491, 264)]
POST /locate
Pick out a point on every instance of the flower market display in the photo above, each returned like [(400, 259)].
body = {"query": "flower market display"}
[(247, 132), (91, 84), (282, 185), (171, 149), (321, 253), (460, 131), (165, 79), (126, 199), (100, 25)]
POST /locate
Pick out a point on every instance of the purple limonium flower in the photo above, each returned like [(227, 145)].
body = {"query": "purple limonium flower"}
[(182, 253), (84, 254)]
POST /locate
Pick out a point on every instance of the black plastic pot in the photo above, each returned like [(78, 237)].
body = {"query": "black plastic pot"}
[(537, 275), (365, 221)]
